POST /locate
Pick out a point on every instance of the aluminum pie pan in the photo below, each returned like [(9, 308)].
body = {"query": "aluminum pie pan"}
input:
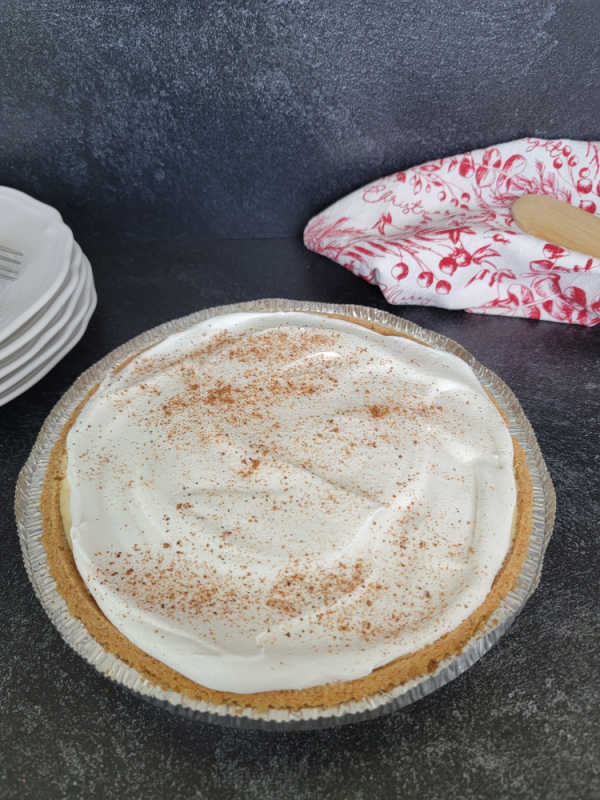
[(29, 524)]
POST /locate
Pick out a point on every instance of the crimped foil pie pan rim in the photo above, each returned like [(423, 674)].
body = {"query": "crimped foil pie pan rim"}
[(31, 478)]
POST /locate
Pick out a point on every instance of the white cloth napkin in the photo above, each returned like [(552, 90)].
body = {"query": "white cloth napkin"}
[(441, 233)]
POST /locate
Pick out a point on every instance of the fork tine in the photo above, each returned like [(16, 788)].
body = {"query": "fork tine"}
[(7, 267), (7, 260), (10, 250), (10, 263)]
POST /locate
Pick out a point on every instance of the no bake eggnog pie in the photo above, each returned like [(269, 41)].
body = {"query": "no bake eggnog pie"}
[(285, 510)]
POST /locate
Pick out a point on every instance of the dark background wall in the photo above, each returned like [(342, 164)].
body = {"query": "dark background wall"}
[(236, 119)]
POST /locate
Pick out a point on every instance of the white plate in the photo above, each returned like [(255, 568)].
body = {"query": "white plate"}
[(59, 339), (36, 323), (29, 378), (34, 335), (37, 231), (39, 320), (25, 356)]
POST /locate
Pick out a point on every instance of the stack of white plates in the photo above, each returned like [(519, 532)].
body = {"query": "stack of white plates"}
[(46, 300)]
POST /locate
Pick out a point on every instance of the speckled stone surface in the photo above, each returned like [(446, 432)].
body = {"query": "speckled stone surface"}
[(523, 722), (251, 116)]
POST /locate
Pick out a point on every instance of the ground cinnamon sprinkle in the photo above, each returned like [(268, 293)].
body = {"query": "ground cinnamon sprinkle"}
[(377, 411), (222, 393), (252, 464)]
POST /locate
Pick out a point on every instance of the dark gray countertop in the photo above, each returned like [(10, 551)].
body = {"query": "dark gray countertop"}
[(523, 722)]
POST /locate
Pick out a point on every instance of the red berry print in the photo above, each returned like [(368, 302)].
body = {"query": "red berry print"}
[(448, 265), (462, 257), (553, 250), (584, 185), (400, 271)]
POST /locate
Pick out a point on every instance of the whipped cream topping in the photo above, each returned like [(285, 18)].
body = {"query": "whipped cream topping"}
[(277, 501)]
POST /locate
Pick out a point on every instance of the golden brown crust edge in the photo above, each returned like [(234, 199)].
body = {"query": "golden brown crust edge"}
[(82, 605)]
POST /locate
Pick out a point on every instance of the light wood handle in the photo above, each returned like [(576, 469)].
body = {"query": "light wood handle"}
[(558, 222)]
